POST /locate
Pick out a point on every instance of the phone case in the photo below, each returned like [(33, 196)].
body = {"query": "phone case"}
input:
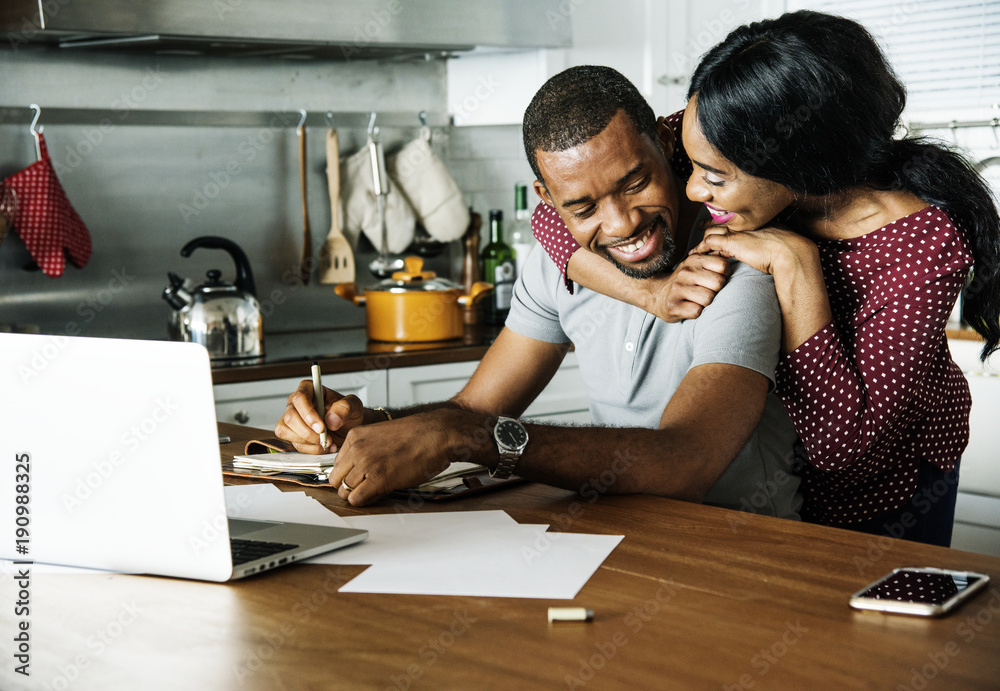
[(925, 591)]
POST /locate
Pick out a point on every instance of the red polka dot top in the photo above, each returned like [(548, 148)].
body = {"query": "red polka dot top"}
[(875, 392)]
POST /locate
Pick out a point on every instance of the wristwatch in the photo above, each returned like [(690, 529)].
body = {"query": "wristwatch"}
[(511, 438)]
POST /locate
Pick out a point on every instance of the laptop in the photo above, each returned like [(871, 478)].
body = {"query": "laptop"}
[(111, 447)]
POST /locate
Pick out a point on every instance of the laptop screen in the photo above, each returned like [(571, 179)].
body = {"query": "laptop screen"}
[(118, 442)]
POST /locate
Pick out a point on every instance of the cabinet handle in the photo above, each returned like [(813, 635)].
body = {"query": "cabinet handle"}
[(241, 416)]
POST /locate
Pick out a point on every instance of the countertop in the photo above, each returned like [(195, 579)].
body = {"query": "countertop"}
[(964, 333), (694, 597), (349, 350)]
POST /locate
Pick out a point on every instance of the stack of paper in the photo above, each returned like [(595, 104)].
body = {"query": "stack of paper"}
[(472, 553), (318, 465)]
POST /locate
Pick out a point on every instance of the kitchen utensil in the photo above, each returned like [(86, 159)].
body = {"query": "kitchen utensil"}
[(414, 305), (338, 257), (305, 262), (471, 267), (223, 317), (359, 209), (383, 265)]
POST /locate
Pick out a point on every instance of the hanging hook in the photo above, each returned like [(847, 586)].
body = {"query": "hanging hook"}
[(954, 131), (372, 132), (36, 131), (302, 120), (425, 131), (329, 119), (994, 123)]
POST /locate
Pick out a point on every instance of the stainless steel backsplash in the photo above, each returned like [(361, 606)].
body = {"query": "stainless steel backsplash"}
[(145, 191)]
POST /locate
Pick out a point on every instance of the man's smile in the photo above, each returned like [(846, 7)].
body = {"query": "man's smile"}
[(638, 247)]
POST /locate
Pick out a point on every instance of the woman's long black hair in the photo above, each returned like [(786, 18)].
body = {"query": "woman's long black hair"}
[(809, 101)]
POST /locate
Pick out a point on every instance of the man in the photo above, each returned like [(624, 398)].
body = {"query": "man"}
[(683, 408)]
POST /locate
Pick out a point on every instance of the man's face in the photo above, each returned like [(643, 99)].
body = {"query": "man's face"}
[(617, 196)]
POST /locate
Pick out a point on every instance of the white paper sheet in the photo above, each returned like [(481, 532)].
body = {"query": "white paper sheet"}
[(473, 553), (265, 502), (507, 563), (413, 536)]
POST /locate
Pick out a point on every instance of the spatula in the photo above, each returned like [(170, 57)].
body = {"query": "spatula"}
[(338, 258)]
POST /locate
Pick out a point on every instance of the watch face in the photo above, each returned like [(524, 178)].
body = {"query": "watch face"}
[(511, 434)]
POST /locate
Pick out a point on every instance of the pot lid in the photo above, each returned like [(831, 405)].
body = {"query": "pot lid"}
[(413, 277)]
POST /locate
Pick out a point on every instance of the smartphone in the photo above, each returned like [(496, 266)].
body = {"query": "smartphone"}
[(924, 591)]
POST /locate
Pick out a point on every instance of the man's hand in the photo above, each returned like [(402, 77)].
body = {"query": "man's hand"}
[(301, 423), (689, 289), (377, 459)]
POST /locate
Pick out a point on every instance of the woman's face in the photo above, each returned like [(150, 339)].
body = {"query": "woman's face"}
[(734, 198)]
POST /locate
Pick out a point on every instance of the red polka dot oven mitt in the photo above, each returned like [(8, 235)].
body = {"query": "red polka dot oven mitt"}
[(47, 223)]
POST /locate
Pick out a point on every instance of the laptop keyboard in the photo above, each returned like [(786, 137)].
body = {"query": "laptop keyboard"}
[(249, 550)]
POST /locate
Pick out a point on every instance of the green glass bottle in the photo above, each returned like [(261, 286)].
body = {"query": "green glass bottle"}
[(521, 238), (498, 269)]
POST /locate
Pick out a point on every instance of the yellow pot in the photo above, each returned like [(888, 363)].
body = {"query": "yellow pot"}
[(414, 305)]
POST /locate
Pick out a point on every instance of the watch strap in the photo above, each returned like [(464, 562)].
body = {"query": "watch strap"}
[(505, 468), (508, 456)]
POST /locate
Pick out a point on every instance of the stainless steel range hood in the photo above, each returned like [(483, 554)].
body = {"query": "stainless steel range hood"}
[(339, 29)]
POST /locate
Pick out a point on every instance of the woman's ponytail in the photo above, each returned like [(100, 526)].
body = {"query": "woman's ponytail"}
[(944, 178)]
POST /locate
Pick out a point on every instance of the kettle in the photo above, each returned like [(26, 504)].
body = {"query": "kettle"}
[(223, 317)]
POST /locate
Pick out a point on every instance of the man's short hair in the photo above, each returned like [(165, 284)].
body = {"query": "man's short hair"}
[(576, 105)]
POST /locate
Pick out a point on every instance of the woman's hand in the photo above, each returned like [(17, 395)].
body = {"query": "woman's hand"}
[(770, 249), (302, 423), (793, 261)]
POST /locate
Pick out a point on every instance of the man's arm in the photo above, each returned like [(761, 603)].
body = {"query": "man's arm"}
[(704, 426), (681, 294), (513, 372)]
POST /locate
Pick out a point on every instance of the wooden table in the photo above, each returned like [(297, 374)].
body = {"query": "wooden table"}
[(693, 598)]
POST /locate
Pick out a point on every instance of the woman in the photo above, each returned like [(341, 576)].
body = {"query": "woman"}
[(792, 120)]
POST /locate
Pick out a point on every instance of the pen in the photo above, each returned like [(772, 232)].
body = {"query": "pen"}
[(318, 391)]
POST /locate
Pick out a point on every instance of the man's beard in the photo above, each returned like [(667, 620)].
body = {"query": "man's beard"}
[(655, 265)]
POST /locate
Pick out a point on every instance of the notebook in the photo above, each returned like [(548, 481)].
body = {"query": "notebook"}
[(111, 448)]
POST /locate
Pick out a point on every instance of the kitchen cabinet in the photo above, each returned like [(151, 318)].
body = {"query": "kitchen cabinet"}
[(262, 403), (977, 510), (564, 400)]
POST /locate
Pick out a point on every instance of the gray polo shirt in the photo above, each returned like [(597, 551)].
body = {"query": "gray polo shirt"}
[(632, 363)]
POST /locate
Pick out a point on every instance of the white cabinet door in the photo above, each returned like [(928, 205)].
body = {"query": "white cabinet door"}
[(262, 403), (563, 400)]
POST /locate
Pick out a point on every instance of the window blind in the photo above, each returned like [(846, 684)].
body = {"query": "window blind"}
[(947, 52)]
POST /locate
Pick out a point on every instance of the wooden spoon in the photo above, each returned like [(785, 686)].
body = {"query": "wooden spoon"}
[(305, 262)]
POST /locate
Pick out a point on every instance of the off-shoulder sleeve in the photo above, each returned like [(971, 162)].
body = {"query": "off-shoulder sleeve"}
[(550, 231)]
